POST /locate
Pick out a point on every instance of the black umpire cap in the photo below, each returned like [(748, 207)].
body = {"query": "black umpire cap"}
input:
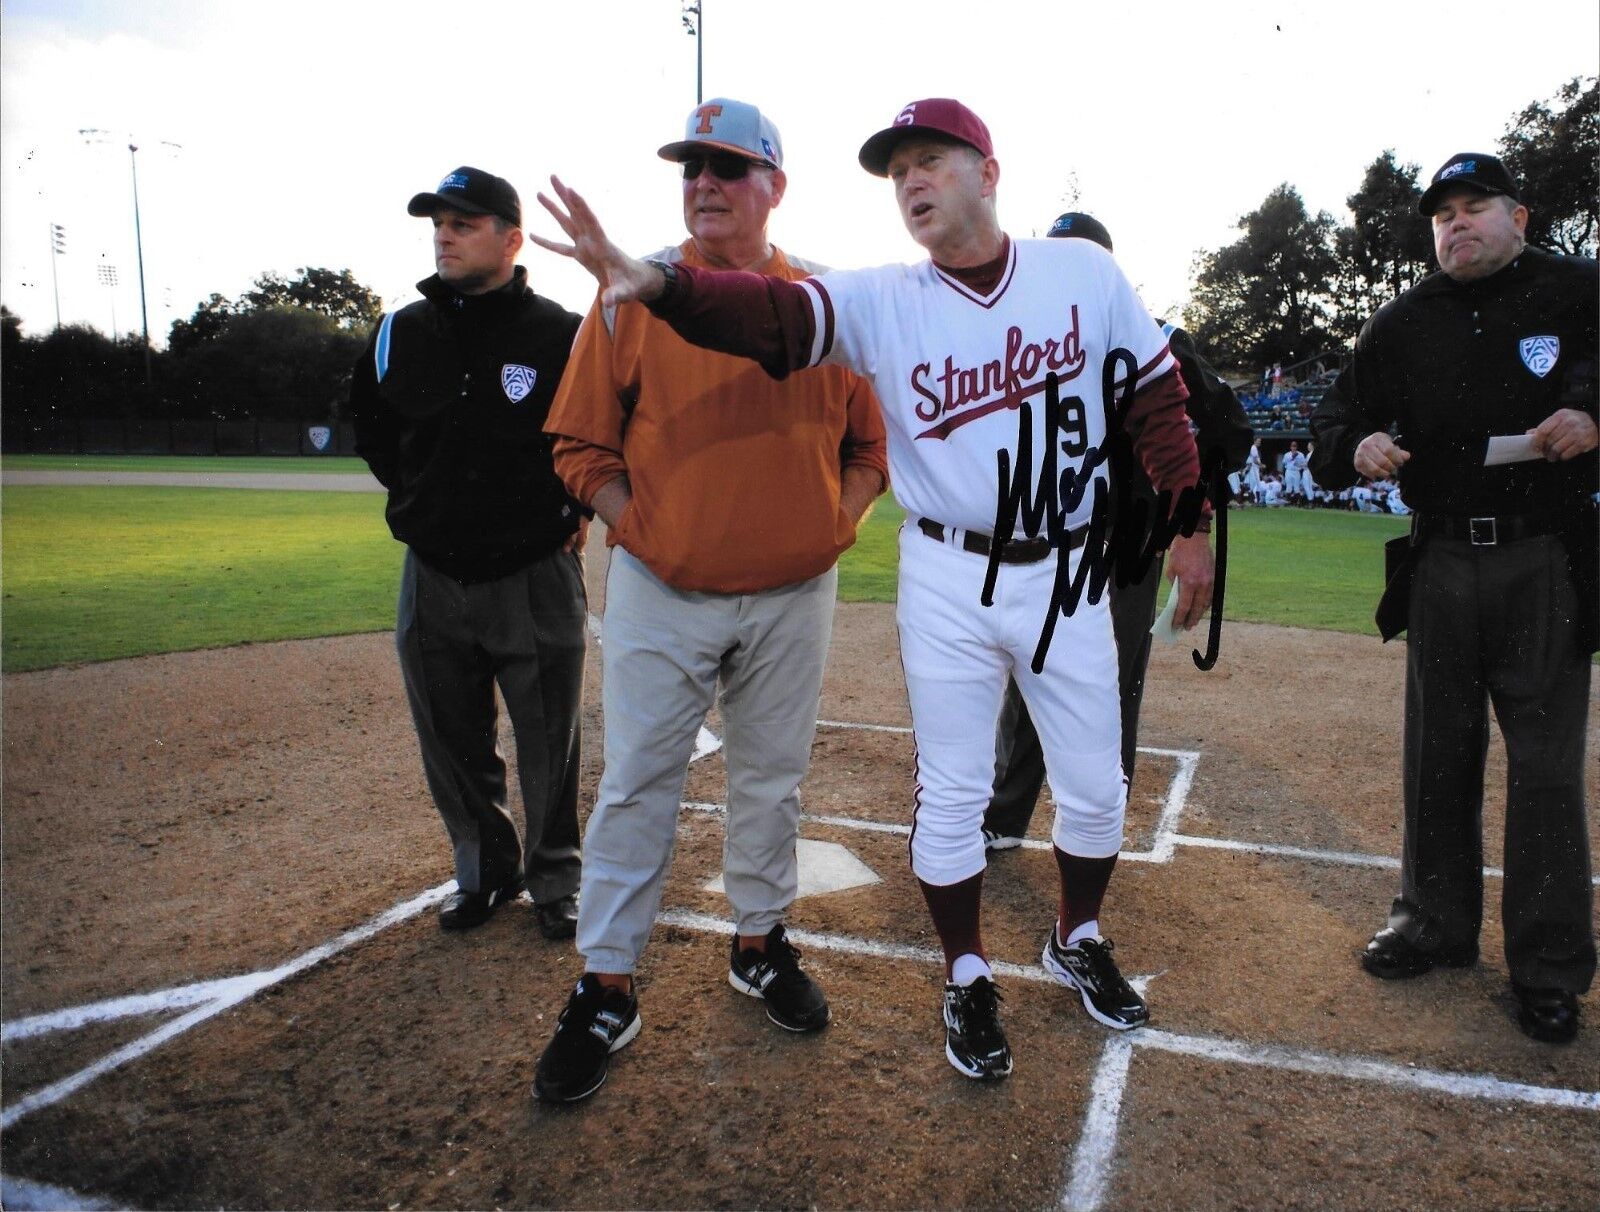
[(1076, 223), (1477, 170), (473, 191)]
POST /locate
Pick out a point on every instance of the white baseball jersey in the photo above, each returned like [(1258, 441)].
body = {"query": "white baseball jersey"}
[(951, 367)]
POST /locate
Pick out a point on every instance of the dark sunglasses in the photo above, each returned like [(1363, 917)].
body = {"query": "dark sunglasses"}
[(723, 167)]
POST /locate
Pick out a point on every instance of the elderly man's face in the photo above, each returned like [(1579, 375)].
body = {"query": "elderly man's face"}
[(940, 187), (1475, 234), (728, 219)]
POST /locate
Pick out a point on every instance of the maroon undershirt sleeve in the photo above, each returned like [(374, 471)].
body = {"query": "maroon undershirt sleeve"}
[(737, 312), (769, 320)]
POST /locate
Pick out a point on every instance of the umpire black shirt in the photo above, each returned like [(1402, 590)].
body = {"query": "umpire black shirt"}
[(1452, 364), (449, 402)]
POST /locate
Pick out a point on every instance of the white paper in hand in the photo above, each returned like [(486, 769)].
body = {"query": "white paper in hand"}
[(1162, 629), (1515, 448)]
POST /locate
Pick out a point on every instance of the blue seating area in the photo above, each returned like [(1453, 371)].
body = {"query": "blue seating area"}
[(1270, 414), (1290, 410)]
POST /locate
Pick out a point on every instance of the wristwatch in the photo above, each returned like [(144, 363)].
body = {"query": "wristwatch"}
[(669, 286)]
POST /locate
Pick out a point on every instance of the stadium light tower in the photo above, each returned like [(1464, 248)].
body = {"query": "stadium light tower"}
[(694, 21), (58, 245), (95, 135), (108, 278)]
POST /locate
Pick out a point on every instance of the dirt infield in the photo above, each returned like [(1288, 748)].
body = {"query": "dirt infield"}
[(193, 823)]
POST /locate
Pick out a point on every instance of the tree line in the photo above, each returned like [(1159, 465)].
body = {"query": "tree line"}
[(1295, 285), (282, 351)]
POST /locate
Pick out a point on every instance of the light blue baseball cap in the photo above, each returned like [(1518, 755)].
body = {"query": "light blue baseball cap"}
[(721, 124)]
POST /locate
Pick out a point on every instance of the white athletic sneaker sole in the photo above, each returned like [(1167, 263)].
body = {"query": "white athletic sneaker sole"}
[(979, 1075)]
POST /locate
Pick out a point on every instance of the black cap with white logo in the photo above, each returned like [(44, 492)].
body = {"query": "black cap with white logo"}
[(1081, 226), (474, 192), (1477, 170)]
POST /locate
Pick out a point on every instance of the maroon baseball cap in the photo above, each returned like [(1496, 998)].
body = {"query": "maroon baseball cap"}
[(938, 116)]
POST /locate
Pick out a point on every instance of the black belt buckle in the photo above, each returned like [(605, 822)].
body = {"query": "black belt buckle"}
[(1482, 532)]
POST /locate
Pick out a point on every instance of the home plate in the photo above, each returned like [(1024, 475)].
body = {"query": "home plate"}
[(824, 867)]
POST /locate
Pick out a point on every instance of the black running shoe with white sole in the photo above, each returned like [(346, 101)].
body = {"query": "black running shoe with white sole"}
[(973, 1040), (598, 1021), (1087, 966), (993, 839), (793, 999)]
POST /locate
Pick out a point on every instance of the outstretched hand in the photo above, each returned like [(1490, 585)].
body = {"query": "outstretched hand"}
[(622, 278)]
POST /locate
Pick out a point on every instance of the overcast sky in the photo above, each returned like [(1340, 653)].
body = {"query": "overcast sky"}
[(301, 128)]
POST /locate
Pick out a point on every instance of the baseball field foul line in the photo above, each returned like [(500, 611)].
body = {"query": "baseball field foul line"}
[(1090, 1175), (1097, 1145), (218, 997)]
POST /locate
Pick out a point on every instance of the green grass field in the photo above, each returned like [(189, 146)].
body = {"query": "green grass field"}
[(96, 573), (285, 463)]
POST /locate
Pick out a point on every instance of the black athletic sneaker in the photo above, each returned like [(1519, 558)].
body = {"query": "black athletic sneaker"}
[(973, 1040), (598, 1021), (793, 1000), (993, 839), (1087, 966)]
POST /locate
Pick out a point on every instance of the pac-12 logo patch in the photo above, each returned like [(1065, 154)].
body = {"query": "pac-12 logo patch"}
[(517, 381), (1539, 354)]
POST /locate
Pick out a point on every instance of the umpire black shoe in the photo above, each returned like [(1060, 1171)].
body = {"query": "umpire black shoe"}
[(558, 918), (994, 839), (1547, 1015), (597, 1021), (463, 910), (793, 999), (973, 1040), (1392, 956), (1087, 966)]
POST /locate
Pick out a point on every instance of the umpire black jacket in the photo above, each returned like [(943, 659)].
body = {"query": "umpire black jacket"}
[(1451, 364), (449, 402)]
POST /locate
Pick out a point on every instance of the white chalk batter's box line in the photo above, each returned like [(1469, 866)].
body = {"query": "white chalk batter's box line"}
[(1167, 838), (1090, 1168)]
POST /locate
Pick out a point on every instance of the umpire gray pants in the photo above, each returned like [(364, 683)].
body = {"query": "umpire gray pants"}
[(524, 632), (663, 652)]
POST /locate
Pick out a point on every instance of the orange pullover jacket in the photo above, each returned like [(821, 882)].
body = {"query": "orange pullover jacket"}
[(735, 475)]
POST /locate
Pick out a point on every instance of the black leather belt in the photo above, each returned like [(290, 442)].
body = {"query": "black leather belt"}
[(1484, 532), (1015, 551)]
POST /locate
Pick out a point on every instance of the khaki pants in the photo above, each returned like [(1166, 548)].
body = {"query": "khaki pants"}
[(665, 652)]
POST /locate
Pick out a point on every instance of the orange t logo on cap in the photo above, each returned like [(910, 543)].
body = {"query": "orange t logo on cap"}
[(707, 112)]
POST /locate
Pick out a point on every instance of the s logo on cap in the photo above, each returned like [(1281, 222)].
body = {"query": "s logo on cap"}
[(907, 116)]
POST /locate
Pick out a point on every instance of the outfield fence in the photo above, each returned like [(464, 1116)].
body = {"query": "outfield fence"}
[(115, 436)]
